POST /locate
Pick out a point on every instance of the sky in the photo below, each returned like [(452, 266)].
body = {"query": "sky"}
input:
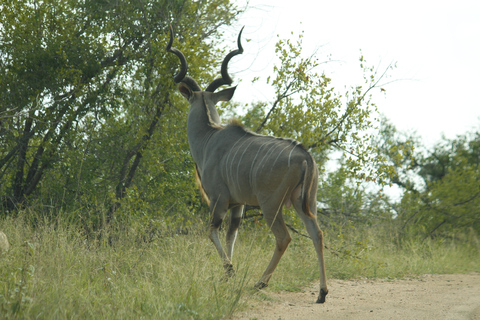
[(434, 44)]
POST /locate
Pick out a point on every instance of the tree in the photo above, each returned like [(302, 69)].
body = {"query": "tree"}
[(343, 201), (306, 107), (85, 88), (441, 185), (397, 148)]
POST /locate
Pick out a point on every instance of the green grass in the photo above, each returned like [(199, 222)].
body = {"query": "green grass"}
[(381, 258), (55, 271)]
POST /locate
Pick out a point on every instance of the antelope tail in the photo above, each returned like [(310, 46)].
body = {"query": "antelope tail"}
[(308, 181)]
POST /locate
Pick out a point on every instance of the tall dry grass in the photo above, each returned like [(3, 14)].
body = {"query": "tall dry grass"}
[(56, 271)]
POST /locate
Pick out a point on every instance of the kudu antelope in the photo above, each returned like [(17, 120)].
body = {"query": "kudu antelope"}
[(236, 167)]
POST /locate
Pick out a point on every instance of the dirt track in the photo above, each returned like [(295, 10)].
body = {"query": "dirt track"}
[(454, 296)]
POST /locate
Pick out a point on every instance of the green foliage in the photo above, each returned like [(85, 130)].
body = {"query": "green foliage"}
[(449, 155), (397, 149), (448, 205), (343, 201), (87, 109), (442, 188)]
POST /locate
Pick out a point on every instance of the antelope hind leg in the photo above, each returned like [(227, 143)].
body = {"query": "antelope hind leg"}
[(317, 238), (282, 237)]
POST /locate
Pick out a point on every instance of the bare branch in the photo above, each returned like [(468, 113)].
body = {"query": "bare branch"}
[(284, 95), (296, 231), (468, 200)]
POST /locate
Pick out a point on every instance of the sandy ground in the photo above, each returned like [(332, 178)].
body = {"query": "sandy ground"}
[(454, 296)]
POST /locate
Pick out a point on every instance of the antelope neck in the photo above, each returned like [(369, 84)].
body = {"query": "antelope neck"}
[(203, 122)]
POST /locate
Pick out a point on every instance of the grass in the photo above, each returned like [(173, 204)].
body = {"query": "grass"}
[(381, 258), (55, 271)]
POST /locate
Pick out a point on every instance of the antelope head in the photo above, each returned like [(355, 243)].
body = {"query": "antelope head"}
[(190, 89)]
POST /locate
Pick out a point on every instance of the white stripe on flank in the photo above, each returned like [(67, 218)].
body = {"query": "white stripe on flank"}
[(291, 142), (267, 154), (235, 156), (240, 161), (290, 155), (228, 155), (253, 162)]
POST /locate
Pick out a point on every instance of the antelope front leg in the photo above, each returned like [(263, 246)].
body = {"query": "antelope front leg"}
[(235, 218), (227, 263), (219, 211)]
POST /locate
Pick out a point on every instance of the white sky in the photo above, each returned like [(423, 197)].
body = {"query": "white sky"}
[(436, 45)]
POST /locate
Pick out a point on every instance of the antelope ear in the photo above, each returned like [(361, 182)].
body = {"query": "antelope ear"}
[(224, 95), (185, 90)]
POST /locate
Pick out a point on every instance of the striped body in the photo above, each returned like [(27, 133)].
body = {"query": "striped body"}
[(247, 169)]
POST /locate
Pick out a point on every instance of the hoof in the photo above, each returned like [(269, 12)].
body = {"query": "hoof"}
[(321, 297), (260, 285), (229, 271)]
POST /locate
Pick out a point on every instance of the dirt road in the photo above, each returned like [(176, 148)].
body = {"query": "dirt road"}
[(435, 297)]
